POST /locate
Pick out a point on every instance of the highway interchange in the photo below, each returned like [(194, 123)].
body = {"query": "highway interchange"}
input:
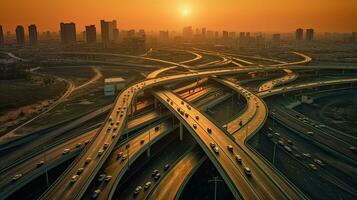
[(99, 148)]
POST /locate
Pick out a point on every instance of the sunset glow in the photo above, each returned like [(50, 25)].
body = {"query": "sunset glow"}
[(235, 15)]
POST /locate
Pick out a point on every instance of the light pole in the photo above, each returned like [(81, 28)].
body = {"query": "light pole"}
[(274, 153), (127, 148), (46, 171), (215, 180)]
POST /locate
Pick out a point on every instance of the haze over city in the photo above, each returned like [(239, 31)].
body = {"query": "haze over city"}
[(233, 15)]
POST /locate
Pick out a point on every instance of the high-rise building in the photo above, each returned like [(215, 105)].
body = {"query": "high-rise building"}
[(164, 35), (204, 32), (91, 34), (68, 33), (109, 31), (310, 34), (216, 34), (276, 37), (232, 35), (33, 34), (299, 35), (187, 32), (242, 34), (225, 34), (20, 34), (247, 34), (2, 40)]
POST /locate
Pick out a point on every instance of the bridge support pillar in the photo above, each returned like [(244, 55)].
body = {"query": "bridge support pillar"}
[(181, 132), (148, 153), (155, 103), (133, 110)]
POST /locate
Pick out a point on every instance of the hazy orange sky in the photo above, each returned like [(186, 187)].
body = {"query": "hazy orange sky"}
[(232, 15)]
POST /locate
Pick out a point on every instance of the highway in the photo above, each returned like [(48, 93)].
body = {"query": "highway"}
[(241, 185), (289, 77)]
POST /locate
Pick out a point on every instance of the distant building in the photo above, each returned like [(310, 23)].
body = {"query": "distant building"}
[(91, 34), (216, 34), (242, 34), (2, 40), (203, 32), (210, 34), (187, 32), (299, 34), (109, 31), (276, 37), (232, 35), (20, 35), (225, 34), (68, 33), (113, 85), (33, 34), (354, 37), (247, 34), (164, 35), (310, 34)]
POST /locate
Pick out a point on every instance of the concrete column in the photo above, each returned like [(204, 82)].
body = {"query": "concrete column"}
[(181, 132), (148, 152), (155, 103)]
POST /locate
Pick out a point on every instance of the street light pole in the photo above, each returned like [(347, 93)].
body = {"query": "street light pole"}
[(215, 180), (127, 148)]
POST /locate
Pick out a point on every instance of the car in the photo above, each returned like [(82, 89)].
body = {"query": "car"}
[(290, 142), (216, 150), (197, 117), (100, 152), (270, 135), (114, 135), (105, 145), (66, 151), (287, 148), (168, 100), (188, 107), (114, 128), (212, 145), (307, 155), (108, 178), (310, 133), (209, 130), (86, 142), (153, 174), (157, 128), (101, 177), (120, 154), (312, 167), (298, 156), (182, 112), (80, 170), (238, 159), (281, 143), (109, 128), (166, 167), (247, 171), (172, 103), (123, 157), (186, 115), (74, 178), (147, 185), (183, 103), (137, 190), (78, 145), (157, 176), (118, 122), (16, 177), (230, 148), (142, 141), (194, 126), (277, 135), (88, 160), (39, 164), (95, 194), (110, 118), (319, 162), (112, 123)]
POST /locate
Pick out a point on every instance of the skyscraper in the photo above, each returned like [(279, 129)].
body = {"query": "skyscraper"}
[(299, 34), (91, 34), (20, 35), (187, 32), (310, 34), (1, 36), (225, 34), (68, 33), (164, 35), (276, 37), (32, 34), (109, 31), (204, 32)]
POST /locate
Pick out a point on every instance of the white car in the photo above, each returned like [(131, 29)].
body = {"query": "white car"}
[(74, 178)]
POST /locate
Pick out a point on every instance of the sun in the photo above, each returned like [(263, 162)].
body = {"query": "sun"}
[(185, 12)]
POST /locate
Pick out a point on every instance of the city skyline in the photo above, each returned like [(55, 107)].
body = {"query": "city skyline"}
[(231, 15)]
